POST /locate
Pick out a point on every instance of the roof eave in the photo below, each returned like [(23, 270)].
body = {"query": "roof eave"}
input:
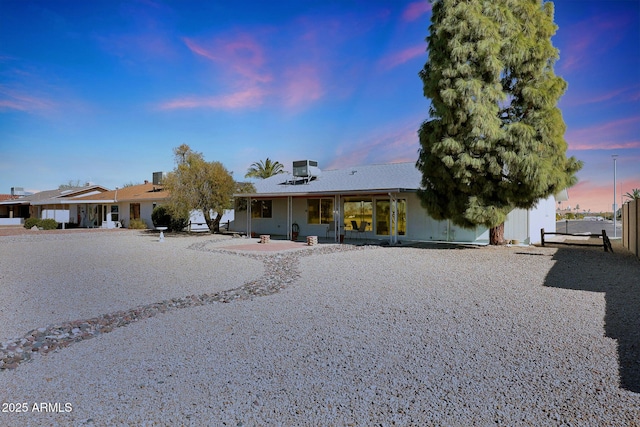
[(327, 193), (70, 202)]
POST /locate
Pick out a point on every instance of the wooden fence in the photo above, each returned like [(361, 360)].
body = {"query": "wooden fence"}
[(631, 226), (606, 243)]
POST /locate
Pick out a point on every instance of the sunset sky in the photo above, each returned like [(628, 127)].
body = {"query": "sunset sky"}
[(102, 91)]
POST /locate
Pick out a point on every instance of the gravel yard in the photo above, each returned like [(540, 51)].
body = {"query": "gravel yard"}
[(336, 335), (54, 278)]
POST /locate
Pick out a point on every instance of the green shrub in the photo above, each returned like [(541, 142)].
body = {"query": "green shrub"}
[(162, 218), (137, 224), (45, 224), (178, 224), (48, 224), (30, 222)]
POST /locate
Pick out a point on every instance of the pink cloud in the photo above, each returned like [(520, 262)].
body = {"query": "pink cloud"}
[(610, 135), (241, 55), (415, 10), (294, 65), (301, 86), (239, 100), (258, 76), (588, 38), (397, 143), (620, 95), (598, 196), (15, 100), (609, 146), (399, 58)]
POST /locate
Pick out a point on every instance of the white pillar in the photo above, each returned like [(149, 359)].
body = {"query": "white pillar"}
[(248, 217)]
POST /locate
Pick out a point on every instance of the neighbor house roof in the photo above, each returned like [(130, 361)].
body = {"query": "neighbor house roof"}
[(132, 193), (49, 197), (385, 178)]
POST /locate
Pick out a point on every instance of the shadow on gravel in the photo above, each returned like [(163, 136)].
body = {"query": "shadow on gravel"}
[(433, 245), (618, 276)]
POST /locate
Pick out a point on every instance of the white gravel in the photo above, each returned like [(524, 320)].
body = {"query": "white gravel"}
[(48, 279), (393, 336)]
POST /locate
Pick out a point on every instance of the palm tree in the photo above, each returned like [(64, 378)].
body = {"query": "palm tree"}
[(264, 169), (633, 194)]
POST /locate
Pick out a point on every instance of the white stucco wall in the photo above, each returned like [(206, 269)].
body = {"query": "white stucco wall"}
[(11, 221), (516, 226), (524, 225), (520, 225), (422, 227), (146, 208), (542, 216), (276, 225)]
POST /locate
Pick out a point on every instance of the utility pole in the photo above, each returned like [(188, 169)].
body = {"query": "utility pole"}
[(615, 232)]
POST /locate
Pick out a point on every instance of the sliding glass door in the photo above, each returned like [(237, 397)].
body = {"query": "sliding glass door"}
[(384, 223), (357, 210)]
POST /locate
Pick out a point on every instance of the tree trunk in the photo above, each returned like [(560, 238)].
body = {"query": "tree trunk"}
[(216, 223), (212, 223), (496, 235)]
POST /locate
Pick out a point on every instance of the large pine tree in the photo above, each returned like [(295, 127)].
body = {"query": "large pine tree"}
[(495, 137)]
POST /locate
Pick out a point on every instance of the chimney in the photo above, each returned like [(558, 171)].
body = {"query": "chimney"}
[(146, 181)]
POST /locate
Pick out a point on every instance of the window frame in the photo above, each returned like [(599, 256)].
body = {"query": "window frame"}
[(326, 215), (261, 208)]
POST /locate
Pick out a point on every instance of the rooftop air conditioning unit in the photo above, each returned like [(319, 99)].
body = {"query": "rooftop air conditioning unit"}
[(306, 169), (158, 177), (17, 191)]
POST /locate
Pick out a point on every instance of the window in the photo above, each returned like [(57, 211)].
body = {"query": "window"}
[(319, 211), (241, 204), (134, 211), (261, 208), (114, 212)]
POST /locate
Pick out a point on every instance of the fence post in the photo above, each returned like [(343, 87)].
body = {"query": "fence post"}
[(542, 236), (625, 225), (636, 202)]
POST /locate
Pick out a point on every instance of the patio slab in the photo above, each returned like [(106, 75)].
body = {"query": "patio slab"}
[(272, 246)]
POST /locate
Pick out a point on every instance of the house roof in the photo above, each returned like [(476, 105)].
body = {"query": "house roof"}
[(385, 178), (55, 196), (132, 193)]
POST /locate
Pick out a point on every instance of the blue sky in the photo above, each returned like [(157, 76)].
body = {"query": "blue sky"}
[(102, 91)]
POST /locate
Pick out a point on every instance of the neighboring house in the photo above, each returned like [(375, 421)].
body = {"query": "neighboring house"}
[(9, 215), (94, 206), (375, 201), (56, 204), (118, 207)]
